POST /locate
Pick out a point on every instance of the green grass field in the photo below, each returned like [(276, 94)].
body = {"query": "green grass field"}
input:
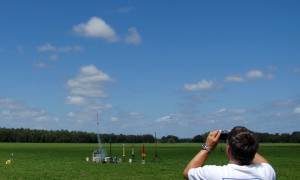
[(67, 161)]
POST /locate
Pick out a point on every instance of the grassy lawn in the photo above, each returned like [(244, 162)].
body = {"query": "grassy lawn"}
[(67, 161)]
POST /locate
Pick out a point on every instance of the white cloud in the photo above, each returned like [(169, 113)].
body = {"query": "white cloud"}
[(133, 36), (78, 118), (89, 82), (284, 103), (66, 49), (272, 68), (86, 91), (97, 107), (238, 111), (20, 49), (53, 57), (96, 27), (63, 49), (41, 65), (166, 119), (16, 114), (75, 100), (46, 47), (134, 114), (269, 76), (70, 114), (254, 74), (296, 70), (231, 111), (201, 85), (234, 78), (297, 110), (125, 9), (114, 119), (221, 110)]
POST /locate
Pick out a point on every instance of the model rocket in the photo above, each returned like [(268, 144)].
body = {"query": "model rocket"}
[(143, 154), (123, 152)]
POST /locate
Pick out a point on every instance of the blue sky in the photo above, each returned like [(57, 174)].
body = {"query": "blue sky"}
[(169, 67)]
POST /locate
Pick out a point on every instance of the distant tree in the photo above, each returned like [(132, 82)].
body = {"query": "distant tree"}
[(65, 136), (185, 140), (197, 139), (170, 139), (295, 137)]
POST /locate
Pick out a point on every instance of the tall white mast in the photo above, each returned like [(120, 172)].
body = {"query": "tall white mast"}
[(98, 133)]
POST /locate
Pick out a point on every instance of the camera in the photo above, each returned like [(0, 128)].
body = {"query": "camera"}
[(224, 134)]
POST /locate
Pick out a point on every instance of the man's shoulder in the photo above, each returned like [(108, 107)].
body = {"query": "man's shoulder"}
[(211, 171), (267, 167), (252, 166), (212, 167), (234, 166), (217, 172)]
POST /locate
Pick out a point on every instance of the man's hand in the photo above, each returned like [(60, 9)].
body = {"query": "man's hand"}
[(199, 160), (213, 139)]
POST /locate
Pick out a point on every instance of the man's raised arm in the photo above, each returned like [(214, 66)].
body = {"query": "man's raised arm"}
[(200, 158), (259, 159)]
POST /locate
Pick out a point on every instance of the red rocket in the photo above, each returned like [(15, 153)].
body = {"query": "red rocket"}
[(143, 153)]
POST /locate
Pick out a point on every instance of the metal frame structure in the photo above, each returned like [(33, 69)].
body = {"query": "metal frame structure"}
[(99, 155)]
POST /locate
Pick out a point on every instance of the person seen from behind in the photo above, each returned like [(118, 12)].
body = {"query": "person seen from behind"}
[(244, 161)]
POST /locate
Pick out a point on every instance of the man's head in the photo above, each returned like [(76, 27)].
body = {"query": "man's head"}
[(242, 145)]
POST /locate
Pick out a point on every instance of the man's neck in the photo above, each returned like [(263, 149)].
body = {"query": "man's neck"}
[(232, 161)]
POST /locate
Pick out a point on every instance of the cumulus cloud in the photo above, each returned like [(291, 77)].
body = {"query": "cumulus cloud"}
[(53, 57), (234, 78), (125, 9), (79, 119), (17, 114), (231, 111), (221, 110), (297, 110), (20, 49), (63, 49), (96, 27), (133, 36), (46, 47), (94, 106), (75, 100), (89, 82), (238, 111), (114, 119), (130, 122), (70, 114), (254, 74), (201, 85), (296, 70), (279, 115), (41, 65), (166, 119), (86, 90), (287, 103), (269, 76), (85, 117)]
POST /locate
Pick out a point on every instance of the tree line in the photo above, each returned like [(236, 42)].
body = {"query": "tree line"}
[(65, 136), (263, 137)]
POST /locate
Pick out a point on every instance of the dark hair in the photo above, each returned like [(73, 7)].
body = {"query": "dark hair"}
[(243, 144)]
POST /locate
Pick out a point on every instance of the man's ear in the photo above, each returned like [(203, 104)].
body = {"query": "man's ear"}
[(228, 151)]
